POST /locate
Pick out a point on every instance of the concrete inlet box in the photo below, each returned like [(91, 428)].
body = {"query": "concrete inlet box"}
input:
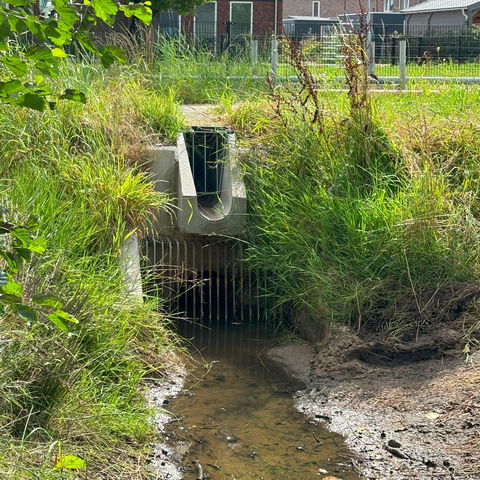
[(202, 176)]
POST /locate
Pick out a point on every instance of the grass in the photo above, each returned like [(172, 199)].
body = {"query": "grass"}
[(375, 228), (78, 171), (368, 218)]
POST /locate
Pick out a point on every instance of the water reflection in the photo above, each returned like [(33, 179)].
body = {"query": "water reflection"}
[(237, 414)]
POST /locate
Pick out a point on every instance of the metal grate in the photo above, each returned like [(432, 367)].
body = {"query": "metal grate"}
[(206, 148), (207, 280)]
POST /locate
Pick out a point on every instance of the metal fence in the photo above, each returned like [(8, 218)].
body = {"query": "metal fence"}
[(398, 53)]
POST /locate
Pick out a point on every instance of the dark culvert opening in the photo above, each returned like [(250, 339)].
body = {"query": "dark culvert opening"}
[(206, 148), (209, 298)]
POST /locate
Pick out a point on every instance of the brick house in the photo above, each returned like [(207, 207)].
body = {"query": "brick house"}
[(235, 17), (333, 8)]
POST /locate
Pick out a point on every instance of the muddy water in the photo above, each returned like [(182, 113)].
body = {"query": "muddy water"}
[(236, 416)]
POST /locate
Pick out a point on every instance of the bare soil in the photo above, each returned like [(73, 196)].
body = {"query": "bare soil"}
[(408, 410)]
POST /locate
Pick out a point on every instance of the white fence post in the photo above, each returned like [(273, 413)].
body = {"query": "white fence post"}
[(371, 58), (274, 60), (402, 65), (254, 52)]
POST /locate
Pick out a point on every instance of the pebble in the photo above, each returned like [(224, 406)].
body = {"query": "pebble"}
[(394, 444)]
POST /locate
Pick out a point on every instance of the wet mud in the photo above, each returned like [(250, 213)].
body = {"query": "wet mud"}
[(417, 419)]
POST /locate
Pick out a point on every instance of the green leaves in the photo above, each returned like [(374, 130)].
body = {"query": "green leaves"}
[(18, 244), (110, 54), (27, 313), (33, 101), (17, 66), (72, 21), (69, 461), (60, 317), (47, 300), (74, 96), (142, 11), (104, 9), (12, 287)]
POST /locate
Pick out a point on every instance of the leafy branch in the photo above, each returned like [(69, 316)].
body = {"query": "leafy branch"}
[(17, 246), (25, 68)]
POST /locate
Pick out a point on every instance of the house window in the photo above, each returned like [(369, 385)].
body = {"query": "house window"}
[(206, 20), (315, 9), (388, 5), (404, 4), (241, 16)]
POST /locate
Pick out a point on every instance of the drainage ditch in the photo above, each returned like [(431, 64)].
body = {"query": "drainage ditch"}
[(236, 418)]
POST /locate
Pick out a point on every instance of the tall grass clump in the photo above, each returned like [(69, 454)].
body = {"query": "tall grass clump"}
[(76, 173), (200, 73), (356, 225)]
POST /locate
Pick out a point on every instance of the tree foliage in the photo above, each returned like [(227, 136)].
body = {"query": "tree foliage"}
[(39, 45), (17, 245), (180, 6)]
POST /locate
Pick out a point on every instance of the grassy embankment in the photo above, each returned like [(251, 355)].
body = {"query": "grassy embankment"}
[(75, 171), (367, 217), (370, 215)]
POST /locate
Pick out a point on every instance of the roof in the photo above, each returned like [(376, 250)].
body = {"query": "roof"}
[(315, 19), (439, 5)]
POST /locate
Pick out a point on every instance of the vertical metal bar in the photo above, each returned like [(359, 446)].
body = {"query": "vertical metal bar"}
[(194, 157), (216, 165), (242, 286), (265, 287), (225, 281), (217, 277), (274, 61), (250, 296), (218, 282), (234, 286), (254, 52), (205, 162), (371, 58), (257, 284), (185, 276), (210, 286), (202, 280), (170, 268), (160, 271), (209, 294), (199, 291), (194, 284), (178, 269)]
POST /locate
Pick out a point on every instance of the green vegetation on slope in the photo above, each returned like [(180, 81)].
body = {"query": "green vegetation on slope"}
[(367, 216), (76, 171)]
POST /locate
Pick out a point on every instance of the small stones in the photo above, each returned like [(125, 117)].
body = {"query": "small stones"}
[(323, 417), (300, 448), (394, 444)]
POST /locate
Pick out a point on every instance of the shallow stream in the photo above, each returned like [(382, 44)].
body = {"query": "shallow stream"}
[(237, 419)]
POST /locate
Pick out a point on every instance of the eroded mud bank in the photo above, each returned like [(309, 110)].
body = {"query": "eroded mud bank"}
[(404, 419)]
